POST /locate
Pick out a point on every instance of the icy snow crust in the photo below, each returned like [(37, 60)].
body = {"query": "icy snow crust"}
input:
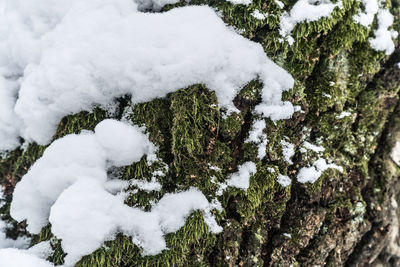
[(67, 187), (62, 57)]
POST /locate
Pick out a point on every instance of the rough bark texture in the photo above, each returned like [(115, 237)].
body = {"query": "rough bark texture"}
[(348, 218)]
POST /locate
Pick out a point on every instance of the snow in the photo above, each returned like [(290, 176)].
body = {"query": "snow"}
[(5, 242), (71, 158), (366, 17), (313, 147), (68, 187), (284, 180), (343, 114), (312, 173), (258, 136), (241, 2), (383, 36), (12, 257), (258, 15), (154, 5), (62, 57), (144, 185), (241, 178), (287, 151), (279, 3), (21, 242), (305, 10), (395, 153)]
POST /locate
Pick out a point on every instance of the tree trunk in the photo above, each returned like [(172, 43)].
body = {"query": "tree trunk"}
[(348, 94)]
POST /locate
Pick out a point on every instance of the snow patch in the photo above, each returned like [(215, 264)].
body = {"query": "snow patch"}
[(240, 2), (258, 136), (241, 178), (305, 10), (313, 147), (343, 114), (287, 151), (284, 180), (383, 36), (366, 16), (258, 15), (312, 173), (395, 153)]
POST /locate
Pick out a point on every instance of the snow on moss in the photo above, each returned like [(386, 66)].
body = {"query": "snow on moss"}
[(240, 2), (366, 16), (258, 136), (68, 187), (241, 178), (305, 11), (287, 151), (312, 173), (283, 180), (60, 60), (383, 36), (5, 242)]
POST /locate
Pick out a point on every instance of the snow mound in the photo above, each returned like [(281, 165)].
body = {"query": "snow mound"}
[(68, 186), (62, 57)]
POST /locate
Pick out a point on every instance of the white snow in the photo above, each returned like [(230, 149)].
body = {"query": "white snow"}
[(366, 16), (61, 57), (71, 158), (284, 180), (5, 242), (305, 11), (12, 257), (155, 5), (241, 2), (313, 147), (383, 36), (241, 178), (258, 136), (21, 242), (287, 151), (147, 186), (395, 153), (280, 3), (68, 187), (343, 114), (258, 15), (312, 173)]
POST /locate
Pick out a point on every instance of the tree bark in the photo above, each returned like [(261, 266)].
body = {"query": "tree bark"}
[(348, 218)]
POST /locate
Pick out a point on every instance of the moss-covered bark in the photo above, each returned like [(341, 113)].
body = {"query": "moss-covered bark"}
[(345, 218)]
